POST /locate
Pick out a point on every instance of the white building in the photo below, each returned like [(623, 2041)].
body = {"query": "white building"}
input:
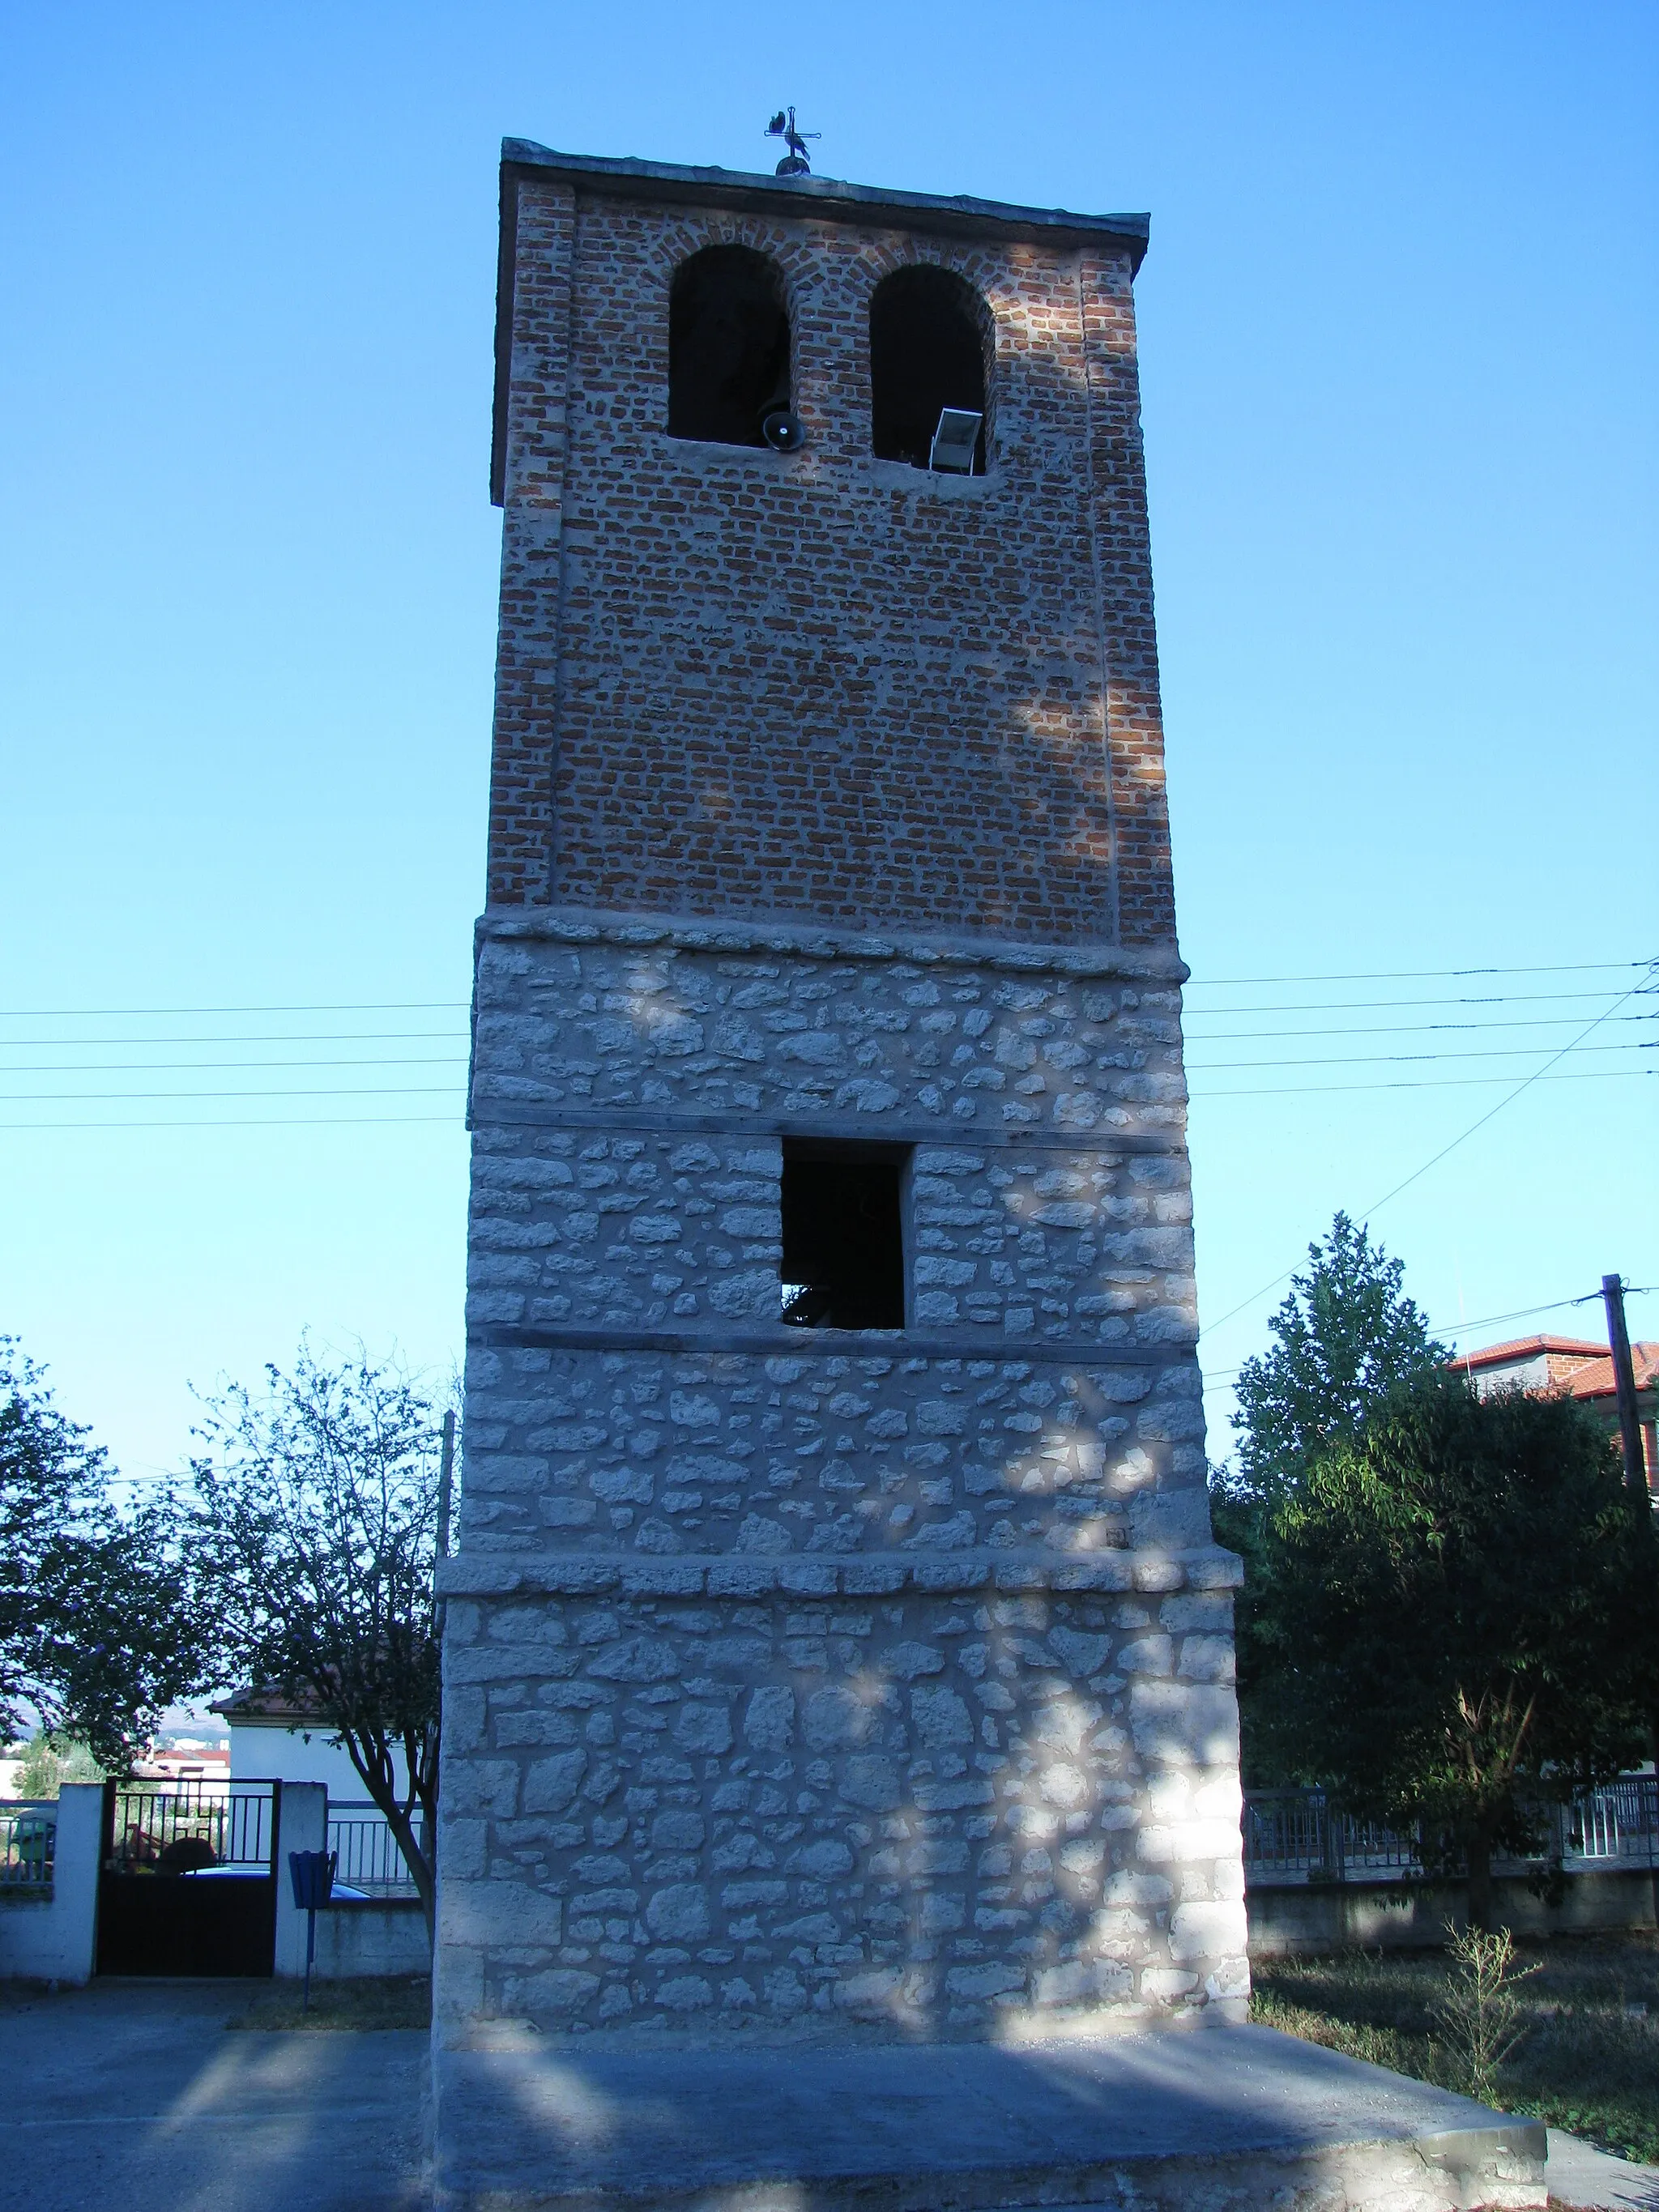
[(272, 1740)]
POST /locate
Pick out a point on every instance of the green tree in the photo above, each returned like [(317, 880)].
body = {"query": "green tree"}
[(46, 1766), (1457, 1621), (316, 1523), (98, 1626), (1345, 1337)]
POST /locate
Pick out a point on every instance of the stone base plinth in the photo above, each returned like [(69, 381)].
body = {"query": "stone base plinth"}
[(1227, 2118)]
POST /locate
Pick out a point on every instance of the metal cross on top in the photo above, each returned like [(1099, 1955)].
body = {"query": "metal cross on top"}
[(794, 162)]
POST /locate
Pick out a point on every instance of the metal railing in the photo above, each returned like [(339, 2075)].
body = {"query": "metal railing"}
[(184, 1826), (368, 1857), (1296, 1835), (28, 1841), (1288, 1832), (1618, 1826)]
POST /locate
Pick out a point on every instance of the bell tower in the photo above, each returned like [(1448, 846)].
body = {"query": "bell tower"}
[(835, 1645)]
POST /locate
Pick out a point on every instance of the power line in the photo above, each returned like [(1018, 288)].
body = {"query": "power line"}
[(1527, 1083), (1392, 1059), (262, 1037), (349, 1007), (1196, 1034), (1405, 1029), (435, 1006), (1525, 1313), (419, 1091), (1365, 1005), (1422, 975), (458, 1059), (1520, 1313), (126, 1098), (267, 1067), (215, 1066), (1415, 1083), (1195, 1015), (1220, 1374), (280, 1121)]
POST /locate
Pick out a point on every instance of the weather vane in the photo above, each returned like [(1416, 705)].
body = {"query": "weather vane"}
[(794, 162)]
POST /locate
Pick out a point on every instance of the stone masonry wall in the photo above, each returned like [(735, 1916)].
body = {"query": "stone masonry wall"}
[(953, 1040), (734, 682), (939, 1804), (816, 1681)]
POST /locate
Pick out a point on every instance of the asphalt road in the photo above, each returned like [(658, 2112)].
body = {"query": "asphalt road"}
[(135, 2095)]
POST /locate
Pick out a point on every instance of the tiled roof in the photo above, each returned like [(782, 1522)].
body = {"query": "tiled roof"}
[(254, 1704), (1591, 1374), (1529, 1348), (1594, 1379)]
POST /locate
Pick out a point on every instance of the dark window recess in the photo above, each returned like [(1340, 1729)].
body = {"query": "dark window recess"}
[(728, 347), (843, 1250), (926, 352)]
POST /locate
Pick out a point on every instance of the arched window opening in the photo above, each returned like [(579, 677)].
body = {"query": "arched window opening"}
[(926, 352), (728, 347)]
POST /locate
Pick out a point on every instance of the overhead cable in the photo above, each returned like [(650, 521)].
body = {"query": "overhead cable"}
[(1421, 975), (1417, 1174), (345, 1006)]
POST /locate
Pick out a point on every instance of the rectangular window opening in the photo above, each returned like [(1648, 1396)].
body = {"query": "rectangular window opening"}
[(843, 1237)]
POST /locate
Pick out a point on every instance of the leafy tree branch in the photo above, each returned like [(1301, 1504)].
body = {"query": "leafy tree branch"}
[(316, 1522), (99, 1625)]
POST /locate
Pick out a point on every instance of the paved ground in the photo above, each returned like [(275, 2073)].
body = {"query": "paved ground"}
[(1230, 2115), (135, 2095), (1579, 2175)]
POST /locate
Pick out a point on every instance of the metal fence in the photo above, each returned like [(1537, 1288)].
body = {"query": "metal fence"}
[(1296, 1835), (368, 1857), (182, 1827), (1618, 1826), (28, 1841)]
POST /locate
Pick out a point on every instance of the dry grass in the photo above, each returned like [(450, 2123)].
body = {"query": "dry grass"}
[(394, 2000), (1589, 2058)]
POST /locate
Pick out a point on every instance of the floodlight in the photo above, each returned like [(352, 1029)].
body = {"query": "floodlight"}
[(957, 434)]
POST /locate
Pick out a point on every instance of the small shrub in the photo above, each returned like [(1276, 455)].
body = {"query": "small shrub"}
[(1590, 2062), (1478, 2012)]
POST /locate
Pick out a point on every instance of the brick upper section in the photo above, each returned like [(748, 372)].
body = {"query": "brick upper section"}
[(733, 682)]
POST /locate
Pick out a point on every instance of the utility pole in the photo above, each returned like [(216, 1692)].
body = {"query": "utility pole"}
[(447, 1464), (1636, 1479), (1624, 1383), (446, 1488)]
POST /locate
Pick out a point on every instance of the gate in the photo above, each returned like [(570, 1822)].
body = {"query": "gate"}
[(188, 1879)]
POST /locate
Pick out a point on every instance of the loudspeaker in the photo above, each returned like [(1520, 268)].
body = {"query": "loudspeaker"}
[(782, 430)]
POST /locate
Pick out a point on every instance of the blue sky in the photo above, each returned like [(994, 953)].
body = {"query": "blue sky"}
[(1398, 336)]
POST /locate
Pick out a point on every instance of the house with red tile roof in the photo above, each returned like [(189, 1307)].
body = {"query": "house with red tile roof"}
[(1574, 1368)]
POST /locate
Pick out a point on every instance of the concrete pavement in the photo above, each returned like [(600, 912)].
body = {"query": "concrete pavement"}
[(1206, 2121), (134, 2094), (1580, 2175)]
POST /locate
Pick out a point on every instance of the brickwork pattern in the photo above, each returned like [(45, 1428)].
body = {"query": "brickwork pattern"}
[(734, 682)]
